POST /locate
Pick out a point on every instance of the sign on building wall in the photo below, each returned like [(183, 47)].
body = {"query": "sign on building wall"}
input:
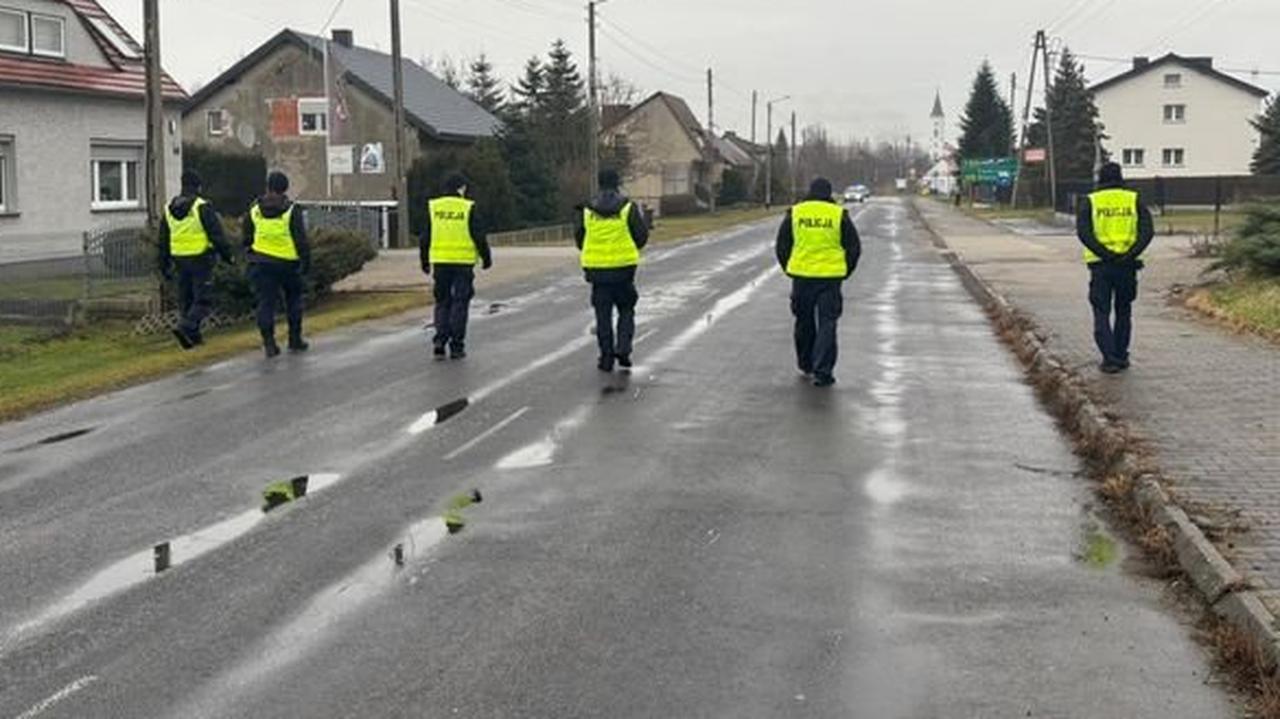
[(1034, 155), (342, 159), (372, 160)]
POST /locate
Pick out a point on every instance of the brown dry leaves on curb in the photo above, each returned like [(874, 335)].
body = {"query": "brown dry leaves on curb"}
[(1241, 660)]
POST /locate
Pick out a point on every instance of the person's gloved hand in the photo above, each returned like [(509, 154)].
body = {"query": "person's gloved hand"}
[(426, 268), (487, 263)]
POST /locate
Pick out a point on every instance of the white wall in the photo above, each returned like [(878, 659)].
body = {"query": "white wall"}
[(1216, 135), (52, 135)]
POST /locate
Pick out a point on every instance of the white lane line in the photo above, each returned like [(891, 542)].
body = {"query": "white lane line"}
[(68, 690), (487, 434), (722, 307)]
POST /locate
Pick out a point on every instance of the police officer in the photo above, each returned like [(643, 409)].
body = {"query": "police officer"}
[(279, 255), (190, 236), (818, 247), (1115, 229), (610, 232), (452, 243)]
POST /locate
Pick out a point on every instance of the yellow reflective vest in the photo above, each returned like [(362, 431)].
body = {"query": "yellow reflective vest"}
[(608, 244), (451, 240), (187, 237), (816, 251), (1115, 221), (272, 236)]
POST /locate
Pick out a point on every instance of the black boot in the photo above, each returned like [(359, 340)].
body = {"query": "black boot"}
[(270, 348), (297, 344)]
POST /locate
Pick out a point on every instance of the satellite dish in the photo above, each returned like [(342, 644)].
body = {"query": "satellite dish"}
[(246, 134)]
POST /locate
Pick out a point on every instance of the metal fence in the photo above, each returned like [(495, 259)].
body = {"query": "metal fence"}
[(41, 291), (551, 235), (1187, 192), (373, 220)]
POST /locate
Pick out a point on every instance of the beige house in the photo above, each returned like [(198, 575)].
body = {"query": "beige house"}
[(669, 166)]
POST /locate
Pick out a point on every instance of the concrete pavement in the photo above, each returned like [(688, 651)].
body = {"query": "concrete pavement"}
[(706, 536), (402, 270)]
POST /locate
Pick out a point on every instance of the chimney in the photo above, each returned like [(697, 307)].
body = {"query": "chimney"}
[(1141, 62), (1205, 62), (345, 38)]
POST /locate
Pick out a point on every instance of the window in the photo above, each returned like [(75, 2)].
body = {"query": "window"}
[(122, 46), (1175, 114), (1135, 157), (48, 36), (675, 179), (1174, 156), (13, 31), (217, 122), (6, 175), (313, 116), (116, 177), (1173, 80)]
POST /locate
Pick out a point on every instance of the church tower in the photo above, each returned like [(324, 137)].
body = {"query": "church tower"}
[(937, 147)]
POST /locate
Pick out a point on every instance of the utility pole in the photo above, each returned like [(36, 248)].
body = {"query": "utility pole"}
[(709, 151), (768, 131), (397, 78), (593, 81), (1026, 120), (754, 100), (1048, 124), (795, 156), (156, 196), (1013, 91)]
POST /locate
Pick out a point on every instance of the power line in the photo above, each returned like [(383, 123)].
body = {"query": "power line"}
[(621, 45), (332, 14)]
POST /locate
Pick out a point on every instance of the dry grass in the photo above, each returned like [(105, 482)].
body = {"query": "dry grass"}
[(1248, 305), (1241, 659), (671, 229)]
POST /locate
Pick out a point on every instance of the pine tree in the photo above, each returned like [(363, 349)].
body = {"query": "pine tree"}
[(1076, 129), (987, 125), (529, 90), (564, 86), (482, 85), (1266, 159)]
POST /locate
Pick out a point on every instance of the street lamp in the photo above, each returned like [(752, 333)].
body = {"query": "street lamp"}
[(768, 133)]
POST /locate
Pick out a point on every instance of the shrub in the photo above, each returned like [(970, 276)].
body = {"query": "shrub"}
[(1255, 248), (676, 205), (232, 180)]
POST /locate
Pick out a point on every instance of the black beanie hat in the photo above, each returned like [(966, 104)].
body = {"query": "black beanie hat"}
[(820, 187), (1110, 174)]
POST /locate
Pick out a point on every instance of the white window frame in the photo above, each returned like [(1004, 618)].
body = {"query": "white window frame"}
[(1173, 80), (113, 37), (26, 31), (222, 122), (62, 36), (1174, 157), (1175, 114), (129, 168), (1134, 157), (317, 106), (4, 180)]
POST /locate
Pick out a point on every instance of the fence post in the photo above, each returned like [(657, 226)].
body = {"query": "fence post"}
[(1217, 208), (84, 255)]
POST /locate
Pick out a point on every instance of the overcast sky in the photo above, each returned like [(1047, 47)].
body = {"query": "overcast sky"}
[(864, 68)]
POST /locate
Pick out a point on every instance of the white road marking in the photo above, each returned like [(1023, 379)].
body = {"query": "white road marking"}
[(487, 434), (72, 688)]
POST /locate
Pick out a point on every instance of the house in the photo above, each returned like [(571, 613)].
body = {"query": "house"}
[(276, 102), (72, 127), (1179, 117), (669, 163)]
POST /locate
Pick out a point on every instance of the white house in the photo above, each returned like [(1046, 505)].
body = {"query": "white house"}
[(1179, 117), (72, 126)]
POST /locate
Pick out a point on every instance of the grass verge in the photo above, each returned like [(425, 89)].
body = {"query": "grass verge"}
[(671, 229), (39, 370), (1249, 305), (1196, 222)]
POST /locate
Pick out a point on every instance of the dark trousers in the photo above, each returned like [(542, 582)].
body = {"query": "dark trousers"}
[(270, 280), (605, 297), (817, 305), (1113, 285), (453, 290), (195, 293)]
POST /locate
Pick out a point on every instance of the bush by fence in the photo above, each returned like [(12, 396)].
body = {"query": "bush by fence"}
[(232, 180)]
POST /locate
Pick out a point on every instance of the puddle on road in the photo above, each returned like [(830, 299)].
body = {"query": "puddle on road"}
[(53, 439), (542, 453), (141, 566), (885, 488)]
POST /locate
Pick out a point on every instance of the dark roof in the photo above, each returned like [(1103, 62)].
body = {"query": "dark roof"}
[(937, 105), (678, 107), (430, 104), (753, 149), (732, 152), (122, 76), (1202, 65)]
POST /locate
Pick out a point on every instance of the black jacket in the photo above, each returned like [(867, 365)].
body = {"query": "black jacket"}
[(180, 207), (477, 234), (1084, 231), (273, 206), (609, 203), (849, 239)]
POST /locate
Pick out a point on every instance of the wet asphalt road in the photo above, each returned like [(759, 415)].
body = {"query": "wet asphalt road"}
[(705, 537)]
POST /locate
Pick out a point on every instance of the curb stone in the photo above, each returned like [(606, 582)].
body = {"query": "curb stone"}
[(1224, 589)]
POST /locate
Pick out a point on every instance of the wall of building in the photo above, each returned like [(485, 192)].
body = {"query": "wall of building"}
[(288, 74), (1216, 135), (656, 142), (49, 207)]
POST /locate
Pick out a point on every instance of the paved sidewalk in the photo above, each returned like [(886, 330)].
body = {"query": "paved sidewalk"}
[(1207, 401), (401, 270)]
